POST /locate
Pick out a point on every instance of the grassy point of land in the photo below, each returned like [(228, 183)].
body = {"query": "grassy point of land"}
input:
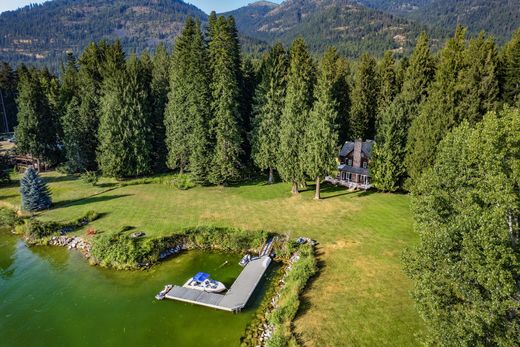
[(361, 295)]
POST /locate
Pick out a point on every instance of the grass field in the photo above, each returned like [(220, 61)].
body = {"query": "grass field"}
[(361, 295)]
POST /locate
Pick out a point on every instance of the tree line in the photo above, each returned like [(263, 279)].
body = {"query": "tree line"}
[(208, 110)]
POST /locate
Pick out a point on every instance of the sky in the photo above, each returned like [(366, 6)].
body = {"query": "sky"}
[(206, 5)]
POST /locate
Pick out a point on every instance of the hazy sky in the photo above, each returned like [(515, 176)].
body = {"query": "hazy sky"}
[(205, 5)]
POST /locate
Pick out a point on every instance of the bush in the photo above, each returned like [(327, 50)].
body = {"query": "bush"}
[(122, 252), (90, 177), (8, 218), (5, 170), (182, 182), (35, 229), (288, 302)]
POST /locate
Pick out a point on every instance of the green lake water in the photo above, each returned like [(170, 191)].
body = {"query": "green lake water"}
[(51, 297)]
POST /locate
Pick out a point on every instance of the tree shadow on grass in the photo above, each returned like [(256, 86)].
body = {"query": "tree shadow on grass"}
[(58, 179), (88, 200), (3, 197)]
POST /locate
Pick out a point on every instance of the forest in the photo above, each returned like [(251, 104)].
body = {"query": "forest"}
[(446, 129)]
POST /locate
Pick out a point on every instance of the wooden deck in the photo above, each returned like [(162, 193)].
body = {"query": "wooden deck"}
[(236, 297)]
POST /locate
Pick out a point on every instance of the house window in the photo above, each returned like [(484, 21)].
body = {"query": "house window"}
[(349, 162), (365, 165)]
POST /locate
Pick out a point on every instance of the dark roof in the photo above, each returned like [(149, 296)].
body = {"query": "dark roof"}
[(348, 147), (355, 170)]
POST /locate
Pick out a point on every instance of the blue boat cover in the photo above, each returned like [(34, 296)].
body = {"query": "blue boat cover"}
[(201, 277)]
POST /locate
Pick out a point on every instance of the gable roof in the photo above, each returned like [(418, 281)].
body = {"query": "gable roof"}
[(348, 147)]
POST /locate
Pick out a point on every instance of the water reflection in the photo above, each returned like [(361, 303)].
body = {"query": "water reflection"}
[(7, 253)]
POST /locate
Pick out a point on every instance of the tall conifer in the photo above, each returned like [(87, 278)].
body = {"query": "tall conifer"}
[(364, 100), (224, 51), (268, 108), (321, 135), (298, 104)]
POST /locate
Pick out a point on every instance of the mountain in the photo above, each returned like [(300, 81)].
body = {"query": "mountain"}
[(352, 27), (498, 17), (43, 33)]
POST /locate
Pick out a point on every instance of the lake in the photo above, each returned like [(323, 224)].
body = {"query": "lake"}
[(51, 296)]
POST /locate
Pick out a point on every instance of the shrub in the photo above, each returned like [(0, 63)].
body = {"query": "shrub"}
[(8, 218), (66, 168), (182, 182), (122, 252), (35, 229), (90, 177), (5, 170)]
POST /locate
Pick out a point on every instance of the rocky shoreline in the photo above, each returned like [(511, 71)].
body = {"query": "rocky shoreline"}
[(74, 242)]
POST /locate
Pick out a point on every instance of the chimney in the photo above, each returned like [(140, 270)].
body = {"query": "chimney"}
[(357, 153)]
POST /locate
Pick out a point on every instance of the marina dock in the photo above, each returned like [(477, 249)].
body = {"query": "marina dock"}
[(236, 298)]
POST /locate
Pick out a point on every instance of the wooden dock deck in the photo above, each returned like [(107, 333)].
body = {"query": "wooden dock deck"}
[(236, 297)]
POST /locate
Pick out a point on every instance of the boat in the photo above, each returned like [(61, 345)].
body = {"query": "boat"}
[(245, 260), (163, 292), (202, 281)]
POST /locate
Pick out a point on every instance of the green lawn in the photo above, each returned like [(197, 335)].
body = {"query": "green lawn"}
[(361, 296)]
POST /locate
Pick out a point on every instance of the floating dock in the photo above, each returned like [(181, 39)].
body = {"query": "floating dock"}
[(237, 296)]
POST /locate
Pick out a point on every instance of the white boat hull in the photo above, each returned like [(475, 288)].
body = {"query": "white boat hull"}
[(209, 286)]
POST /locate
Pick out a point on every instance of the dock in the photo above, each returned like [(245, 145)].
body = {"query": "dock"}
[(236, 298)]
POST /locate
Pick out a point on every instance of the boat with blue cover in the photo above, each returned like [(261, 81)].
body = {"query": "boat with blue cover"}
[(202, 281)]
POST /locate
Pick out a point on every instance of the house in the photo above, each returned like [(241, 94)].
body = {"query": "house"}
[(354, 158)]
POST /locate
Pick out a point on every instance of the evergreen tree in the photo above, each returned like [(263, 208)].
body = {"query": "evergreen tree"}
[(90, 87), (342, 97), (125, 133), (34, 191), (387, 166), (418, 76), (74, 131), (69, 82), (441, 111), (321, 135), (5, 169), (159, 91), (178, 120), (224, 51), (511, 70), (268, 108), (479, 82), (467, 265), (187, 111), (36, 132), (249, 82), (298, 104), (8, 91), (388, 88), (364, 100)]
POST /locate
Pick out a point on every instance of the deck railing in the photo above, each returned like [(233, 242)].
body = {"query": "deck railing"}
[(347, 183)]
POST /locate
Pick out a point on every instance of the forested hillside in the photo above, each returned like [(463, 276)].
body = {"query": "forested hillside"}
[(349, 26), (43, 33), (497, 17)]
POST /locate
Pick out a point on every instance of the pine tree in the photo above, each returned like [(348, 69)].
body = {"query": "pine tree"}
[(34, 191), (298, 104), (187, 111), (178, 120), (467, 264), (125, 133), (479, 82), (36, 132), (69, 82), (511, 70), (159, 88), (74, 131), (388, 88), (387, 166), (343, 98), (321, 135), (441, 111), (418, 76), (268, 108), (364, 100), (8, 90), (224, 51), (90, 81)]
